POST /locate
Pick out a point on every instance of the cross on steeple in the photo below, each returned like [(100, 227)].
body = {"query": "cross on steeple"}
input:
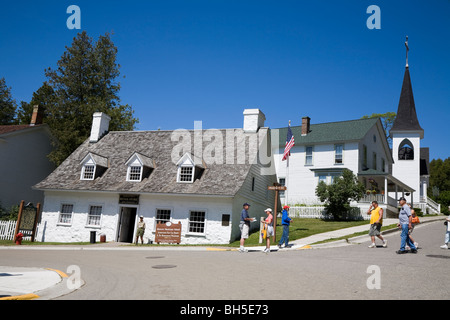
[(407, 49)]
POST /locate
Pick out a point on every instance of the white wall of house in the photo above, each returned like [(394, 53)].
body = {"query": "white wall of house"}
[(303, 178), (23, 163), (52, 230)]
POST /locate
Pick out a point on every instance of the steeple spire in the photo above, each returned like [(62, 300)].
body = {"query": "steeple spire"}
[(406, 119), (407, 49)]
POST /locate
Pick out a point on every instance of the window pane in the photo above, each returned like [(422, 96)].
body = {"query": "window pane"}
[(95, 212), (186, 174), (338, 153), (309, 152), (197, 221), (65, 215), (88, 172), (135, 173), (162, 215)]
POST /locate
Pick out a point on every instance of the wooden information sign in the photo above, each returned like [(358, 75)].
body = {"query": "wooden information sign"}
[(276, 187), (168, 233)]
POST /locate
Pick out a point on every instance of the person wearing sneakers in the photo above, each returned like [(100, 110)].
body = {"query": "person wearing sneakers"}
[(376, 221), (268, 225), (447, 233), (404, 223), (244, 226)]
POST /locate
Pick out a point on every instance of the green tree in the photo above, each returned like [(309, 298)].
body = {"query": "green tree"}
[(338, 195), (44, 97), (439, 187), (7, 104), (387, 119), (84, 82)]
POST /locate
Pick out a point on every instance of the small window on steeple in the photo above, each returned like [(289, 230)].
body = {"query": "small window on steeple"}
[(406, 150)]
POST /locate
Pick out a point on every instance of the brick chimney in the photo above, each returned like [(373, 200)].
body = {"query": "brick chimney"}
[(305, 125), (37, 116), (100, 126)]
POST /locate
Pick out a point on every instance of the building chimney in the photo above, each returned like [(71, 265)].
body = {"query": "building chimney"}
[(305, 125), (100, 126), (37, 116), (253, 120)]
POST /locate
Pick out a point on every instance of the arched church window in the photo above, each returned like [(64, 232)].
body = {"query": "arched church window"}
[(406, 150)]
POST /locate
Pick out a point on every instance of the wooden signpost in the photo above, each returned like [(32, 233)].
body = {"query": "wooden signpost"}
[(168, 233), (27, 219), (276, 187)]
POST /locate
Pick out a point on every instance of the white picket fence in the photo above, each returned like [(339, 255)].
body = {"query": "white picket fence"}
[(319, 212), (7, 229)]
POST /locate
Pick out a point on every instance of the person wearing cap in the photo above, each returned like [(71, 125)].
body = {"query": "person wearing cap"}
[(268, 225), (285, 222), (404, 223), (244, 226), (140, 230)]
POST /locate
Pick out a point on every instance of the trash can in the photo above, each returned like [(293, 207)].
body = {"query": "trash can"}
[(93, 234)]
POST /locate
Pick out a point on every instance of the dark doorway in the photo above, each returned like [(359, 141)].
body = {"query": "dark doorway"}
[(127, 220)]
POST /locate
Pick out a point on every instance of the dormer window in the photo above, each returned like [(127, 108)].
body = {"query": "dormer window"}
[(139, 167), (93, 166), (190, 168)]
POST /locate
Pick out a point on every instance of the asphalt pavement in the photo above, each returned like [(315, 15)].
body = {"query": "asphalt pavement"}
[(19, 283)]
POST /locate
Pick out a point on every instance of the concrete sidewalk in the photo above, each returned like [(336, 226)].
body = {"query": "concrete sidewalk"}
[(17, 283)]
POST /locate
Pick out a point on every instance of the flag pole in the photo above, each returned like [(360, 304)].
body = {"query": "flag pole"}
[(287, 177)]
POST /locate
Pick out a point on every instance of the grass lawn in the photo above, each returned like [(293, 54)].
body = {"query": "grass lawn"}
[(302, 228)]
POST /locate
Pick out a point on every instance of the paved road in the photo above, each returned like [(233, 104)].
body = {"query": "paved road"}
[(329, 273)]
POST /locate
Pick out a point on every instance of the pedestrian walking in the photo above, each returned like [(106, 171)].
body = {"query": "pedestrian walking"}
[(285, 222), (376, 221), (404, 223), (447, 233), (140, 230), (414, 221), (268, 225), (244, 225)]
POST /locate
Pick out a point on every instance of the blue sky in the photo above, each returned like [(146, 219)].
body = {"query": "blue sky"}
[(208, 60)]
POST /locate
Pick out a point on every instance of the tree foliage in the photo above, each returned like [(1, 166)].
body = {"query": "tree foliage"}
[(7, 104), (338, 195), (439, 188), (84, 82)]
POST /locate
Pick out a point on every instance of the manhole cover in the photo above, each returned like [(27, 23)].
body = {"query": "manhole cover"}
[(154, 257), (164, 266), (438, 256)]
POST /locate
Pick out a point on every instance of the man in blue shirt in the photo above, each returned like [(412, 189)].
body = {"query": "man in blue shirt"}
[(285, 221), (244, 226), (404, 218)]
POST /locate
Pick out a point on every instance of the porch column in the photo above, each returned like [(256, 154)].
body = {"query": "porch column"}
[(396, 193), (385, 191)]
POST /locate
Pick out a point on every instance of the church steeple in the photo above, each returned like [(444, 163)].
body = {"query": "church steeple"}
[(406, 119)]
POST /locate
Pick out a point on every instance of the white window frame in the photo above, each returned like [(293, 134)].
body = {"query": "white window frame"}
[(83, 172), (91, 216), (336, 154), (180, 173), (131, 174), (311, 156), (204, 222), (156, 215), (61, 214)]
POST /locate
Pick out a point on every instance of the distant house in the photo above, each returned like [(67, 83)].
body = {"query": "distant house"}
[(200, 178), (23, 161)]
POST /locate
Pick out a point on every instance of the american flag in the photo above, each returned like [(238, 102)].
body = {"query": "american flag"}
[(289, 144)]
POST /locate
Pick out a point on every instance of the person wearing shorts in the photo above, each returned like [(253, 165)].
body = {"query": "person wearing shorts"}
[(140, 230), (244, 225), (376, 221), (268, 224)]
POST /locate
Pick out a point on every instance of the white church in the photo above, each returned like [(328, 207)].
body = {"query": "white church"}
[(323, 150)]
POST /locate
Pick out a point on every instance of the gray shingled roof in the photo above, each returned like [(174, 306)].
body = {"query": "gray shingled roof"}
[(118, 147), (329, 132)]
